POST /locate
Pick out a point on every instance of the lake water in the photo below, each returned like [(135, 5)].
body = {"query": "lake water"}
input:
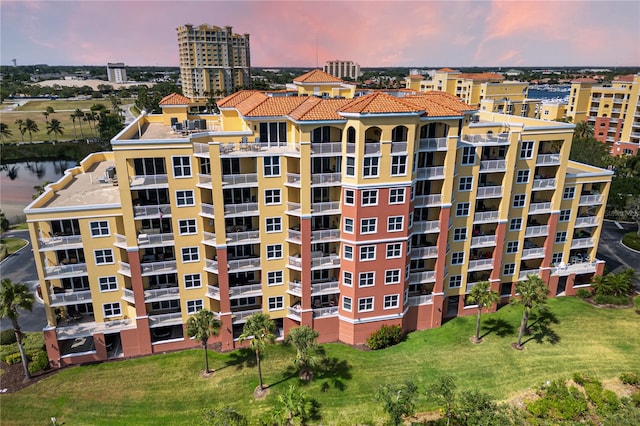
[(18, 179)]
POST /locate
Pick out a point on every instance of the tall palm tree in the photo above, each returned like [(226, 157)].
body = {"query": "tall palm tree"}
[(56, 128), (14, 297), (73, 118), (304, 338), (583, 130), (294, 406), (80, 115), (20, 124), (533, 297), (31, 127), (259, 328), (48, 111), (482, 296), (5, 132), (202, 326)]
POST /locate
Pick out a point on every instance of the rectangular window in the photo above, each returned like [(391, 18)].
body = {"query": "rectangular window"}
[(346, 303), (457, 258), (349, 197), (391, 301), (181, 167), (509, 269), (519, 200), (455, 281), (395, 223), (459, 234), (194, 306), (515, 224), (396, 195), (187, 226), (273, 224), (274, 251), (468, 156), (348, 225), (370, 167), (569, 193), (398, 165), (512, 246), (347, 278), (104, 256), (276, 303), (365, 304), (366, 279), (526, 150), (522, 176), (351, 167), (192, 281), (271, 166), (368, 226), (565, 215), (348, 252), (272, 196), (367, 253), (556, 258), (370, 197), (462, 209), (394, 250), (561, 237), (392, 276), (185, 198), (100, 228), (108, 283), (465, 183), (111, 309), (190, 254), (275, 278)]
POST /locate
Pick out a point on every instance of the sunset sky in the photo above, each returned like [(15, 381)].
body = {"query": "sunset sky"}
[(286, 33)]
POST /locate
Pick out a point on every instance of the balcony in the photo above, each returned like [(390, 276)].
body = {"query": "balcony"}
[(206, 210), (70, 297), (536, 231), (575, 268), (433, 144), (423, 277), (548, 160), (294, 208), (240, 181), (204, 181), (372, 148), (127, 295), (326, 148), (480, 265), (489, 192), (247, 237), (201, 150), (331, 207), (325, 235), (162, 320), (486, 217), (493, 166), (209, 238), (399, 147), (60, 243), (328, 287), (240, 265), (429, 173), (325, 262), (483, 241), (540, 208), (65, 271), (424, 299), (591, 200), (159, 294), (331, 311), (294, 236), (523, 274), (249, 290), (149, 181), (424, 227), (240, 317), (293, 179), (587, 221), (294, 312), (326, 179), (424, 252), (152, 212), (428, 200), (533, 253), (582, 242), (155, 240), (295, 289), (159, 268), (211, 266), (544, 184), (488, 139), (241, 209), (213, 292)]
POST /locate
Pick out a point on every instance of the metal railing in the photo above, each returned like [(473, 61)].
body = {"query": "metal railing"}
[(483, 241), (204, 180), (248, 179), (60, 299), (127, 295), (433, 144), (201, 149), (548, 159), (295, 261), (206, 209), (422, 277), (325, 207), (523, 274), (487, 138), (325, 235), (582, 242), (147, 240), (423, 299), (213, 292), (480, 264), (293, 235), (591, 199), (243, 237), (435, 172), (211, 265), (241, 316), (332, 261), (55, 243), (59, 270), (294, 179), (208, 238), (489, 192), (241, 208), (155, 268), (398, 147), (533, 253), (326, 178), (148, 180), (294, 313), (245, 290), (426, 226), (428, 200), (326, 148), (331, 311), (424, 252), (168, 293), (152, 211), (294, 207), (587, 221), (295, 289), (544, 184), (490, 216), (493, 165), (252, 263), (160, 320), (536, 231), (372, 148), (539, 207), (325, 288)]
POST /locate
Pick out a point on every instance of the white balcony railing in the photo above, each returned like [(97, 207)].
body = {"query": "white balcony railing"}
[(127, 295), (433, 144), (325, 288), (582, 242), (294, 313), (331, 311), (209, 238), (206, 210), (489, 139), (294, 207), (157, 294), (246, 237), (151, 240), (490, 216), (536, 231), (141, 212), (295, 289), (424, 252), (241, 316), (326, 179), (326, 207), (489, 192), (422, 277), (204, 181), (493, 166), (241, 209), (60, 243), (436, 172), (543, 184), (141, 181), (539, 208), (426, 226), (483, 241), (591, 200), (245, 290), (587, 221), (213, 292), (211, 266), (70, 297), (161, 320), (533, 253), (372, 148), (399, 147), (252, 263), (428, 200), (295, 236), (423, 299), (294, 179), (331, 261), (548, 159), (65, 270), (325, 235), (326, 148), (248, 179), (523, 274), (480, 265), (157, 268)]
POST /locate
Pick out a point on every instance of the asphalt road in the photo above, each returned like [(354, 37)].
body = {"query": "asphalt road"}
[(612, 251)]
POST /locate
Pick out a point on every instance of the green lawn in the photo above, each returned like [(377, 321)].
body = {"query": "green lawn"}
[(632, 240), (13, 244), (166, 389)]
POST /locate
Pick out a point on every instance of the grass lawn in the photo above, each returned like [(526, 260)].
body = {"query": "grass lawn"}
[(13, 244), (62, 104), (167, 389), (631, 240)]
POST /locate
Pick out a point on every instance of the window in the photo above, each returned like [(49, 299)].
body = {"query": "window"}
[(459, 234), (519, 200), (370, 167), (394, 250), (111, 309), (468, 156), (275, 278), (366, 279), (391, 301), (273, 132), (348, 252), (395, 223), (273, 224), (512, 246), (99, 229), (108, 283), (347, 278), (185, 198), (194, 306), (561, 237), (569, 193), (190, 254), (410, 220), (368, 226), (276, 303), (455, 281), (368, 253), (526, 150), (272, 196), (392, 276), (396, 195), (365, 304), (398, 165), (192, 281), (181, 167), (465, 183), (351, 167), (271, 166), (348, 225), (565, 215), (349, 197), (515, 224), (462, 209), (103, 256), (274, 251), (556, 258), (509, 269), (522, 176), (187, 226), (457, 258), (370, 197), (346, 303)]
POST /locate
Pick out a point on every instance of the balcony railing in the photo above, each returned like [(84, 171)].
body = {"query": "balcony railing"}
[(201, 150), (294, 208), (582, 242), (295, 289), (426, 226), (241, 209), (247, 237), (483, 241), (331, 311), (536, 231), (209, 238), (575, 268), (245, 290), (424, 252), (480, 265), (157, 268), (60, 243), (326, 207), (484, 217), (146, 181), (436, 172), (204, 181), (372, 148), (326, 148), (294, 313), (127, 295), (543, 184), (213, 292), (294, 179), (398, 147), (325, 288), (151, 240), (428, 200), (211, 266), (539, 207), (433, 144), (294, 236), (591, 200), (326, 179), (489, 192), (206, 210), (241, 316), (70, 297), (252, 263), (249, 179), (61, 271), (587, 221), (144, 212), (548, 159), (533, 253), (423, 299), (331, 261), (169, 293), (422, 277), (161, 320), (325, 235), (523, 274), (488, 139), (493, 166)]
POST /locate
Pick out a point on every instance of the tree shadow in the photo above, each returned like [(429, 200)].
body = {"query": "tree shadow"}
[(241, 358), (334, 372), (541, 331), (497, 326)]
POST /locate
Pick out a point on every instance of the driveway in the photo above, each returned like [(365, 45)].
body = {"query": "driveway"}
[(617, 256)]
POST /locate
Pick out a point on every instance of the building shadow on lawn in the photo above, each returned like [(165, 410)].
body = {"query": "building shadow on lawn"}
[(241, 358), (497, 326), (334, 372), (541, 331)]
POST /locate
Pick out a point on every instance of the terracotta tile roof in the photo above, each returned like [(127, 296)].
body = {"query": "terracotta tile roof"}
[(379, 103), (439, 104), (584, 80), (235, 98), (316, 76), (175, 99), (446, 70), (416, 77), (315, 109), (275, 106), (626, 78), (482, 76), (251, 102)]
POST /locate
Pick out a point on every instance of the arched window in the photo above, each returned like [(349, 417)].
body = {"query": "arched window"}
[(351, 135), (399, 134)]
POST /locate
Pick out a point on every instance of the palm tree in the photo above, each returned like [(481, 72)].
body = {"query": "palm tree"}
[(304, 338), (56, 128), (12, 297), (533, 297), (73, 118), (40, 189), (20, 124), (294, 406), (5, 132), (31, 127), (48, 111), (201, 326), (583, 130), (482, 296), (80, 115), (259, 328)]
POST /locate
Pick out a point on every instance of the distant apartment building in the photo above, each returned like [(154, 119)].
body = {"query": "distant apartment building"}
[(532, 108), (342, 69), (613, 110), (342, 212), (213, 60), (116, 72)]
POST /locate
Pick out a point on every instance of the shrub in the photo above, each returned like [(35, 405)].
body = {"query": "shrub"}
[(385, 336), (7, 337), (13, 358), (583, 293), (602, 299), (630, 379), (39, 362), (558, 402)]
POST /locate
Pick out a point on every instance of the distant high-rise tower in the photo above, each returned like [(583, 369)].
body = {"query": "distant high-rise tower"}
[(213, 60), (116, 72), (342, 69)]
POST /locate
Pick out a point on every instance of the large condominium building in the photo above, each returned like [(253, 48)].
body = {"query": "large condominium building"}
[(532, 108), (116, 72), (213, 60), (613, 111), (342, 69), (343, 214)]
